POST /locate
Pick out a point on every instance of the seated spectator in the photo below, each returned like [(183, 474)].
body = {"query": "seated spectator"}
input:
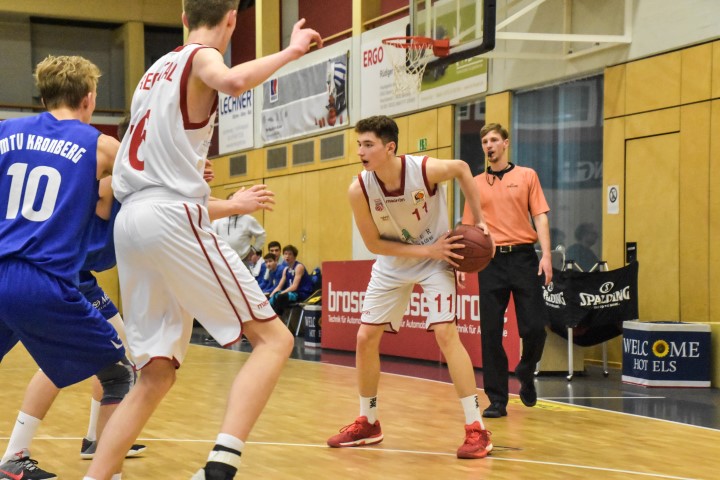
[(256, 263), (275, 248), (581, 252), (270, 279), (295, 284)]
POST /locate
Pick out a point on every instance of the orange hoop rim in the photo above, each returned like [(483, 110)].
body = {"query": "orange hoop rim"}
[(440, 48)]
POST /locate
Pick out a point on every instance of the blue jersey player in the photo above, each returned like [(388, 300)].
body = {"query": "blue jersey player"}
[(50, 165)]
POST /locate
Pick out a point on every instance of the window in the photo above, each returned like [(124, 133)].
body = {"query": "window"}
[(469, 119), (558, 132)]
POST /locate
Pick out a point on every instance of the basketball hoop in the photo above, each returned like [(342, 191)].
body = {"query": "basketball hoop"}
[(409, 57)]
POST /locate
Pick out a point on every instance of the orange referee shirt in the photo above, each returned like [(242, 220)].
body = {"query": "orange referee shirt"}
[(508, 205)]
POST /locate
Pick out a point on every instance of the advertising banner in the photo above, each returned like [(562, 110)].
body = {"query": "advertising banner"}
[(344, 285), (306, 101), (594, 304), (439, 85), (235, 122)]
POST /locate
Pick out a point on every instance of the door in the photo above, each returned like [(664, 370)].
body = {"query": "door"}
[(652, 219)]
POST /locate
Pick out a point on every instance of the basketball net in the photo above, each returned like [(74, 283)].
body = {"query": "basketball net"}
[(409, 57)]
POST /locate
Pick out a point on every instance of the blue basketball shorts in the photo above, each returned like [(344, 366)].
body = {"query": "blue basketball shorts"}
[(96, 295), (68, 338)]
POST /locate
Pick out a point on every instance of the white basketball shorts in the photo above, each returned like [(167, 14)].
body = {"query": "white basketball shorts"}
[(174, 269), (389, 292)]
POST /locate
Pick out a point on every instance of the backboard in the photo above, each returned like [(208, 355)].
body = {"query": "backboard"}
[(468, 24)]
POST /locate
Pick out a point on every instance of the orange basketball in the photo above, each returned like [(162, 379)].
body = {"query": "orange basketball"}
[(478, 250)]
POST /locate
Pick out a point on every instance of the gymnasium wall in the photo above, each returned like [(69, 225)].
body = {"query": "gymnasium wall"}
[(662, 148)]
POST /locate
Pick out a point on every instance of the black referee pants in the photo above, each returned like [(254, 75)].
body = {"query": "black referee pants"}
[(515, 273)]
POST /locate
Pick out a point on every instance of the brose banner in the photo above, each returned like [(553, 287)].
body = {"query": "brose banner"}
[(594, 304)]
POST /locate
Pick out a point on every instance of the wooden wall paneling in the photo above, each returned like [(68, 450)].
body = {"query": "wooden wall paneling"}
[(423, 126), (694, 212), (652, 123), (446, 127), (696, 73), (276, 223), (403, 135), (614, 97), (714, 219), (335, 218), (715, 87), (653, 83), (652, 220), (313, 216), (255, 164), (613, 226)]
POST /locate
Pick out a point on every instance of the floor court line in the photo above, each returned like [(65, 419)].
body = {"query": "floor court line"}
[(393, 450)]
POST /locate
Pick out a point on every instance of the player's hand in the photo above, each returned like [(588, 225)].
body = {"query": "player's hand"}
[(249, 200), (483, 226), (208, 173), (443, 249), (546, 268), (301, 39), (460, 279)]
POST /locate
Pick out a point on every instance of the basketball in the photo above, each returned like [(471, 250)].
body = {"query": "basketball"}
[(478, 250)]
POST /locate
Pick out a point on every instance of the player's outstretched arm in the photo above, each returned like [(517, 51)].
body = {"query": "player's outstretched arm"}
[(249, 200), (209, 67)]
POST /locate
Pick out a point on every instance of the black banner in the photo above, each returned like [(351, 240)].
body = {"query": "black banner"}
[(593, 304)]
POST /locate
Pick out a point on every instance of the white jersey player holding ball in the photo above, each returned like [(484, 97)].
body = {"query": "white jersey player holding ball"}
[(400, 208)]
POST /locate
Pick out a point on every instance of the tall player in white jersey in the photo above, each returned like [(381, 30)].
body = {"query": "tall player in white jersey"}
[(172, 266), (400, 208)]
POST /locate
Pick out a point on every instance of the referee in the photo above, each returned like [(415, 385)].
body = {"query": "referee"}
[(510, 196)]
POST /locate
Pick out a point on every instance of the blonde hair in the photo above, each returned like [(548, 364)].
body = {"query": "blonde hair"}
[(64, 81)]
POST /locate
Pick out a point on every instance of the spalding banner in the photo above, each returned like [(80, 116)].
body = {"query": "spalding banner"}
[(594, 304), (344, 285)]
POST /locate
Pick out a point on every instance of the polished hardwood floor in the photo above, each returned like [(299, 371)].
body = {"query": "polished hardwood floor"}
[(422, 421)]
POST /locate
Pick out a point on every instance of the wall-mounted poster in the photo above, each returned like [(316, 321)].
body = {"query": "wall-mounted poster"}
[(306, 101), (235, 122)]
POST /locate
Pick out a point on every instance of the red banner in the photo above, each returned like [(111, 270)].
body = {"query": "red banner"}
[(343, 290)]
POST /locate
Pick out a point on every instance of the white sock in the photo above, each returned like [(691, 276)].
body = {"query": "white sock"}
[(472, 410), (117, 476), (22, 435), (225, 442), (230, 441), (92, 425), (88, 478), (368, 408)]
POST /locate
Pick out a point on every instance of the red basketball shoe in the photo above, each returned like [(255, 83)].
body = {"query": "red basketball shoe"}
[(360, 432), (477, 442)]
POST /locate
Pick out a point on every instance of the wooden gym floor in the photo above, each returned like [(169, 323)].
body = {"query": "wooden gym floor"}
[(422, 422)]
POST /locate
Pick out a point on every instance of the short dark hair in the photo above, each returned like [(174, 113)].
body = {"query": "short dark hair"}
[(291, 248), (274, 244), (270, 256), (207, 13), (494, 127), (383, 126)]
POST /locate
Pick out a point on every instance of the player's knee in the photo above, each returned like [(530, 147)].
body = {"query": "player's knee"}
[(116, 381), (445, 335), (285, 342), (368, 336)]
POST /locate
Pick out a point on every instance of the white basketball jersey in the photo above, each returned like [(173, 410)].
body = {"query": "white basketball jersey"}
[(162, 148), (416, 214)]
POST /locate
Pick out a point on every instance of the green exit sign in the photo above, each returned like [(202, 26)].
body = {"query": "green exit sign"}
[(422, 144)]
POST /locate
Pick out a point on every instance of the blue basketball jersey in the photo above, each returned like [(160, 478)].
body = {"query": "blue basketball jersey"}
[(101, 245), (48, 191)]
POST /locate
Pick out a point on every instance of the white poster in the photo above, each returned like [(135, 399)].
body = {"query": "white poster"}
[(439, 85), (235, 122), (308, 100)]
